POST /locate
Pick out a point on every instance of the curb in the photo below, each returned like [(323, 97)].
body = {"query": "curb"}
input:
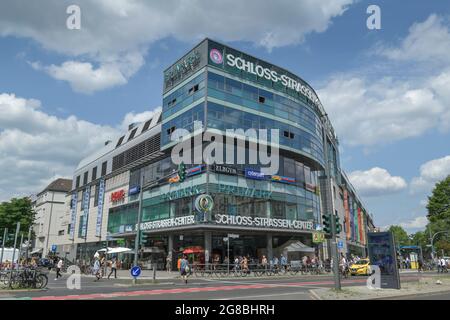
[(412, 294)]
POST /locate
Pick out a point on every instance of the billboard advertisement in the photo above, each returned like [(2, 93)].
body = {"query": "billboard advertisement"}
[(382, 253)]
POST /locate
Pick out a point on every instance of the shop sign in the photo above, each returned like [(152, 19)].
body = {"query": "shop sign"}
[(134, 190), (128, 228), (182, 69), (174, 179), (318, 237), (168, 223), (186, 192), (267, 73), (310, 187), (118, 196), (204, 203), (195, 170), (224, 169), (283, 179), (245, 192), (252, 174), (86, 198), (247, 221)]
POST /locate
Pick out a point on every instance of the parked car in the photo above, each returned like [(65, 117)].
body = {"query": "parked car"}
[(45, 263)]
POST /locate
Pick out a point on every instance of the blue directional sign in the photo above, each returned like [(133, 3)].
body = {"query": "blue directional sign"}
[(341, 244), (54, 248), (135, 271)]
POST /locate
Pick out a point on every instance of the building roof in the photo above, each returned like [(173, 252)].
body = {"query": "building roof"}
[(61, 185)]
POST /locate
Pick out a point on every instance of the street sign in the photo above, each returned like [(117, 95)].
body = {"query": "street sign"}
[(135, 271), (233, 235), (54, 248), (318, 237), (341, 244)]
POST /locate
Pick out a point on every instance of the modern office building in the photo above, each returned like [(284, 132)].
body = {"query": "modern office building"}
[(195, 205)]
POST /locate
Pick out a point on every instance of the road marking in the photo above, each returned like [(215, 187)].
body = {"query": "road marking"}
[(315, 296), (183, 290), (264, 295)]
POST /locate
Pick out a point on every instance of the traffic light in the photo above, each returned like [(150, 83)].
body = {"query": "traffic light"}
[(144, 239), (326, 219), (181, 171), (338, 225)]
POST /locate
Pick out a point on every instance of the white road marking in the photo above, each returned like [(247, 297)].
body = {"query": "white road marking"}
[(265, 295)]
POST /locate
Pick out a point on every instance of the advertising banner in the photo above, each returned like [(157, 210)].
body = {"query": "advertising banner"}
[(382, 253), (347, 215), (86, 198), (73, 214), (101, 194)]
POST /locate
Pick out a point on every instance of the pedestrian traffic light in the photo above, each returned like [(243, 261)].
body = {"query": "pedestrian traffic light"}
[(181, 171), (326, 220), (338, 225)]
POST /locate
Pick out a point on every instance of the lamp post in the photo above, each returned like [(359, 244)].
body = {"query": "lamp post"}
[(138, 227), (432, 240)]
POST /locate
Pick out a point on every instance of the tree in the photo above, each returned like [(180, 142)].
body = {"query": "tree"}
[(439, 202), (439, 214), (400, 235), (17, 209)]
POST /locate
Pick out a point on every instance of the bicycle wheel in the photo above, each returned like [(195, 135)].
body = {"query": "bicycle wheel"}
[(41, 281)]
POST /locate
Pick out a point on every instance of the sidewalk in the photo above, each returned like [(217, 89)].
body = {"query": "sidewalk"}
[(420, 287)]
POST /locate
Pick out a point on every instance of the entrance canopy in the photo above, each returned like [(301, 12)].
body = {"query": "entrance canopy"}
[(115, 250), (298, 246)]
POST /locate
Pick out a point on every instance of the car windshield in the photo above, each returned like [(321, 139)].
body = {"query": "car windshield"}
[(362, 262)]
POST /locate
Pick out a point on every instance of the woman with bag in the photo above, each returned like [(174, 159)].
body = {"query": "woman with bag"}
[(184, 268)]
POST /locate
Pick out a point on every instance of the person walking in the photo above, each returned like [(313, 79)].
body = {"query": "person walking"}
[(113, 268), (184, 269), (59, 266), (97, 269), (264, 262), (283, 261), (169, 263)]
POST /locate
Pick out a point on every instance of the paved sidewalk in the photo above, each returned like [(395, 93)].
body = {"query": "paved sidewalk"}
[(420, 287)]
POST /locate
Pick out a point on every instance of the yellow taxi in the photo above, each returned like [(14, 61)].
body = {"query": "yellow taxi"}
[(361, 267)]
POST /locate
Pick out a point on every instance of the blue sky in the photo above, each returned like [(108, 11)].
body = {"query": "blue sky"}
[(64, 92)]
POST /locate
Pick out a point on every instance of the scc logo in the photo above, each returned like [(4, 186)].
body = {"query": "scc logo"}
[(216, 56)]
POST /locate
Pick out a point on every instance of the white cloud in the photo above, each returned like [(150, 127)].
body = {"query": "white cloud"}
[(372, 110), (35, 146), (416, 223), (132, 117), (430, 173), (376, 182), (427, 41), (113, 29)]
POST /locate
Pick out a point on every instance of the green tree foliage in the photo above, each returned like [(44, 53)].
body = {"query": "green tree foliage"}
[(439, 202), (400, 235), (17, 209)]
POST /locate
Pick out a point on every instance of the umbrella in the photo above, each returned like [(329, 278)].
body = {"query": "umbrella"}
[(193, 250)]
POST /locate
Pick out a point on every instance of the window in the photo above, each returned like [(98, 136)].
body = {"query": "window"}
[(85, 178), (193, 89), (104, 165), (68, 228), (94, 173), (286, 134), (78, 182), (60, 232), (262, 99), (170, 130), (120, 141), (132, 134), (146, 125), (291, 135)]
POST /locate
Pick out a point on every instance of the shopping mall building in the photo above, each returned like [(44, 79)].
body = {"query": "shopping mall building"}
[(195, 209)]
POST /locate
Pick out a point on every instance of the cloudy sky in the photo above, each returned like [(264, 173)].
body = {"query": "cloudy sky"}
[(64, 92)]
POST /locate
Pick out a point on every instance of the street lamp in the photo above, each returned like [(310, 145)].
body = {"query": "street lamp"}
[(432, 240)]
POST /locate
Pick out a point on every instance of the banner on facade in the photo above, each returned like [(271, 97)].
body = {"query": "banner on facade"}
[(101, 193), (86, 198), (73, 214), (248, 221)]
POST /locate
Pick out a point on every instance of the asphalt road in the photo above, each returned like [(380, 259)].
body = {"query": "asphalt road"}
[(249, 288)]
